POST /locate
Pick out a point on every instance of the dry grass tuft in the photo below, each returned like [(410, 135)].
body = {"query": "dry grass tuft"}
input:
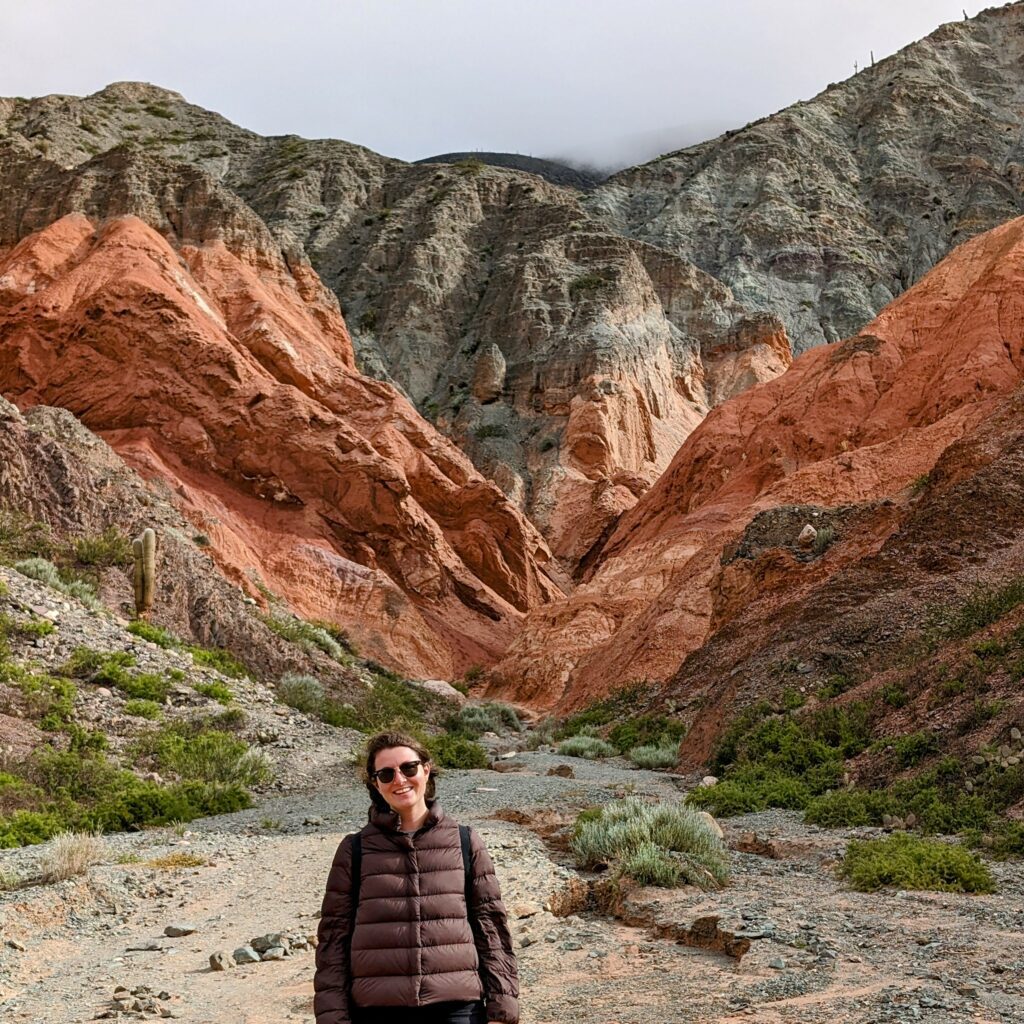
[(177, 860), (71, 855)]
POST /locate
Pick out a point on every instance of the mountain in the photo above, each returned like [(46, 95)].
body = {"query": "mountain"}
[(550, 170), (849, 428), (211, 361), (826, 211), (567, 361)]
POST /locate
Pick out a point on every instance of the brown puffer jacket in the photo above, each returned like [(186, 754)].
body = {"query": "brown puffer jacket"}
[(413, 943)]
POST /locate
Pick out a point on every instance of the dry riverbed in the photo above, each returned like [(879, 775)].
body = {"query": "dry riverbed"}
[(817, 951)]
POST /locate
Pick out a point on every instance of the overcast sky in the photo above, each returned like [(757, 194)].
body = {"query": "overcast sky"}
[(606, 81)]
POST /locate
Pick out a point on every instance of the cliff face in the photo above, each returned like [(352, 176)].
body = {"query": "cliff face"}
[(854, 423), (827, 210), (567, 361), (230, 376)]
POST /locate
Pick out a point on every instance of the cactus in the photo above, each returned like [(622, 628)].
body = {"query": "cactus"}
[(144, 549)]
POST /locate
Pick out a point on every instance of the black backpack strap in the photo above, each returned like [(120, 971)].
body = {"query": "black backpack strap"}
[(467, 860), (356, 871), (356, 875)]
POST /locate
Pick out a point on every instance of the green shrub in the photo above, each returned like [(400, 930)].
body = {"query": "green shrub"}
[(49, 699), (33, 629), (207, 756), (473, 720), (218, 659), (338, 635), (616, 706), (97, 666), (646, 730), (304, 693), (834, 686), (589, 747), (655, 844), (585, 283), (652, 757), (21, 538), (109, 548), (305, 635), (217, 691), (458, 752), (982, 608), (908, 862), (936, 797), (823, 540), (143, 708), (894, 695), (915, 747), (46, 572), (153, 633)]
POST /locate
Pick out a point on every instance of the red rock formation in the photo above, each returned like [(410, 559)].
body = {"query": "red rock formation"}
[(230, 376), (848, 423)]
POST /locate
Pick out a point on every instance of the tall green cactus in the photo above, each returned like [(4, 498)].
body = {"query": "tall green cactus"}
[(144, 549)]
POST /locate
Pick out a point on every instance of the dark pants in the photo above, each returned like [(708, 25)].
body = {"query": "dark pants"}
[(435, 1013)]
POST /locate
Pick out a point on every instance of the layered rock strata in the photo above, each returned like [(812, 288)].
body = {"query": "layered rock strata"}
[(567, 361), (847, 424), (227, 373)]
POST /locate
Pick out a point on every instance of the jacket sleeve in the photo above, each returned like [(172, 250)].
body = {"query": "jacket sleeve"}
[(331, 980), (487, 915)]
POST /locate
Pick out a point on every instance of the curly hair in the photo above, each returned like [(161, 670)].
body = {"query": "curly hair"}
[(385, 741)]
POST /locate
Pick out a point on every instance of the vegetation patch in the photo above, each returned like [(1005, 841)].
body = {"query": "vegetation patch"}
[(771, 760), (458, 752), (589, 747), (176, 861), (653, 757), (652, 844), (46, 572), (909, 862), (217, 691), (473, 720)]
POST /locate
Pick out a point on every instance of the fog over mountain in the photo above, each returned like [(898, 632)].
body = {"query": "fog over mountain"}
[(600, 83)]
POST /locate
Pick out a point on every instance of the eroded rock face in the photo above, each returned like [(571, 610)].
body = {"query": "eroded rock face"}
[(850, 423), (824, 212), (489, 296), (230, 376)]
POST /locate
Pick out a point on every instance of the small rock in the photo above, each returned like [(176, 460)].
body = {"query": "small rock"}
[(176, 931), (15, 944), (806, 536), (274, 953), (712, 824), (221, 961), (312, 821), (246, 955), (708, 781), (778, 964), (563, 771)]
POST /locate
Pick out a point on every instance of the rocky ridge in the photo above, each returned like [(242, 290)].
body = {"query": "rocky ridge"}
[(359, 513), (826, 211), (856, 423), (567, 361)]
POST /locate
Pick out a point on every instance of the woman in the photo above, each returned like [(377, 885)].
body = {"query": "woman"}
[(413, 929)]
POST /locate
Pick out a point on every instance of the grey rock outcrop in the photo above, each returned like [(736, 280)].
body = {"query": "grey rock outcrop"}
[(825, 211)]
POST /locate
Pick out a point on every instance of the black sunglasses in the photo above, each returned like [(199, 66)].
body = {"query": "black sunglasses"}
[(387, 775)]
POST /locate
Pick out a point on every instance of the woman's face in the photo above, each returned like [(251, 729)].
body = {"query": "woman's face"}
[(404, 795)]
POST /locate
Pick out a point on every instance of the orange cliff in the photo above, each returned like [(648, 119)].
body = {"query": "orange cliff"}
[(230, 376), (847, 423)]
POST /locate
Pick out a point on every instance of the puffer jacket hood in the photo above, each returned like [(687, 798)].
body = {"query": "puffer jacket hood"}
[(413, 943)]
